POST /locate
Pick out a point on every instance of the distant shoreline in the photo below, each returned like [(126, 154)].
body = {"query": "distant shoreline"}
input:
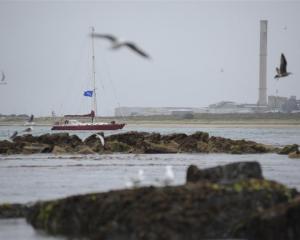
[(156, 124), (198, 120)]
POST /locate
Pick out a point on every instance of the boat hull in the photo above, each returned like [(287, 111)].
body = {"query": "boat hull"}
[(89, 127)]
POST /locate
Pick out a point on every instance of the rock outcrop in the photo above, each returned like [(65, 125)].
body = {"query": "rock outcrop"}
[(225, 174), (289, 149), (131, 142), (195, 211), (295, 154), (8, 210), (227, 202)]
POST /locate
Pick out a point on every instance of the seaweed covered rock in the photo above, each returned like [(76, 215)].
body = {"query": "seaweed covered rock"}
[(225, 174), (289, 149), (8, 210), (294, 154), (36, 148), (129, 138), (7, 147), (28, 138), (175, 137), (60, 139), (280, 222), (193, 211), (132, 142), (94, 143)]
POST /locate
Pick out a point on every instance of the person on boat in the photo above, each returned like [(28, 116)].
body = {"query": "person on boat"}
[(93, 115)]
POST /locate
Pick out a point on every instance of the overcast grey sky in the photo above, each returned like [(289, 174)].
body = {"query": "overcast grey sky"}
[(45, 52)]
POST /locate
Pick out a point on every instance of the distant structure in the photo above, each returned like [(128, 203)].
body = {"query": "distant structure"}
[(262, 94), (284, 104), (180, 112)]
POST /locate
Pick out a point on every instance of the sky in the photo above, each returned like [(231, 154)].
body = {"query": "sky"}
[(201, 53)]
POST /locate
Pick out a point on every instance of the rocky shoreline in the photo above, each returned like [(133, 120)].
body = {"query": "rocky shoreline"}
[(224, 202), (136, 142)]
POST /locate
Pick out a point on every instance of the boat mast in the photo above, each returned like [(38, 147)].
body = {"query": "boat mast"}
[(94, 74)]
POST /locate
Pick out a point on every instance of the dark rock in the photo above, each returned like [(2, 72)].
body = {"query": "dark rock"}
[(176, 137), (36, 148), (153, 137), (281, 222), (159, 148), (289, 149), (94, 143), (59, 150), (294, 154), (225, 174), (60, 139), (83, 149), (12, 210), (189, 144), (193, 211), (118, 147), (28, 138), (7, 147), (129, 138), (200, 136)]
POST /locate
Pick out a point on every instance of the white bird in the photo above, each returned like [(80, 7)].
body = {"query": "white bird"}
[(169, 176), (137, 180), (101, 137), (116, 44)]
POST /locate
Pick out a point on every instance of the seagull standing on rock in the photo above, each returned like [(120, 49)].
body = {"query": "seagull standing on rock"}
[(116, 44), (169, 176), (136, 181)]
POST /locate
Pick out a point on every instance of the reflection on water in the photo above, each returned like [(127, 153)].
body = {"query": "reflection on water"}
[(18, 229), (40, 177)]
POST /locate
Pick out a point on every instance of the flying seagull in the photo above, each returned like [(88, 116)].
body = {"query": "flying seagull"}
[(116, 44), (2, 81), (281, 72)]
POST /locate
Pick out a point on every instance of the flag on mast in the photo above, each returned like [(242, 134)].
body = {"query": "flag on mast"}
[(88, 93)]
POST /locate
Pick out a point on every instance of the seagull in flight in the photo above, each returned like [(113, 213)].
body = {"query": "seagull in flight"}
[(116, 44), (281, 71), (2, 81)]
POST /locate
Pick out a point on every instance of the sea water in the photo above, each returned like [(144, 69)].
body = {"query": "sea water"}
[(29, 178)]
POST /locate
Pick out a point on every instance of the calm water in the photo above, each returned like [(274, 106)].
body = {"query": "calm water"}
[(40, 177)]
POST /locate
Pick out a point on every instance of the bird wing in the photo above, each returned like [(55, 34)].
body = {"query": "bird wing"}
[(133, 47), (277, 70), (109, 37), (283, 64), (3, 77)]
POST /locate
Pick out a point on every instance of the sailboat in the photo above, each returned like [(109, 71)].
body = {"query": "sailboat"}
[(75, 125)]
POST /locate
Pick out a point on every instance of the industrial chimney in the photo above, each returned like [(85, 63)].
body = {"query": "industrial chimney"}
[(262, 94)]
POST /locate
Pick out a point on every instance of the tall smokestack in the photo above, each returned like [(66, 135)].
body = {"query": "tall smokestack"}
[(262, 97)]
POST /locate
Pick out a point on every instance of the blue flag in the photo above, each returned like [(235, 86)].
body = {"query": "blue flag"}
[(88, 93)]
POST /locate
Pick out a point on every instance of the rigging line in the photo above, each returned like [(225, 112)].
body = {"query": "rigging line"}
[(74, 71), (108, 73)]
